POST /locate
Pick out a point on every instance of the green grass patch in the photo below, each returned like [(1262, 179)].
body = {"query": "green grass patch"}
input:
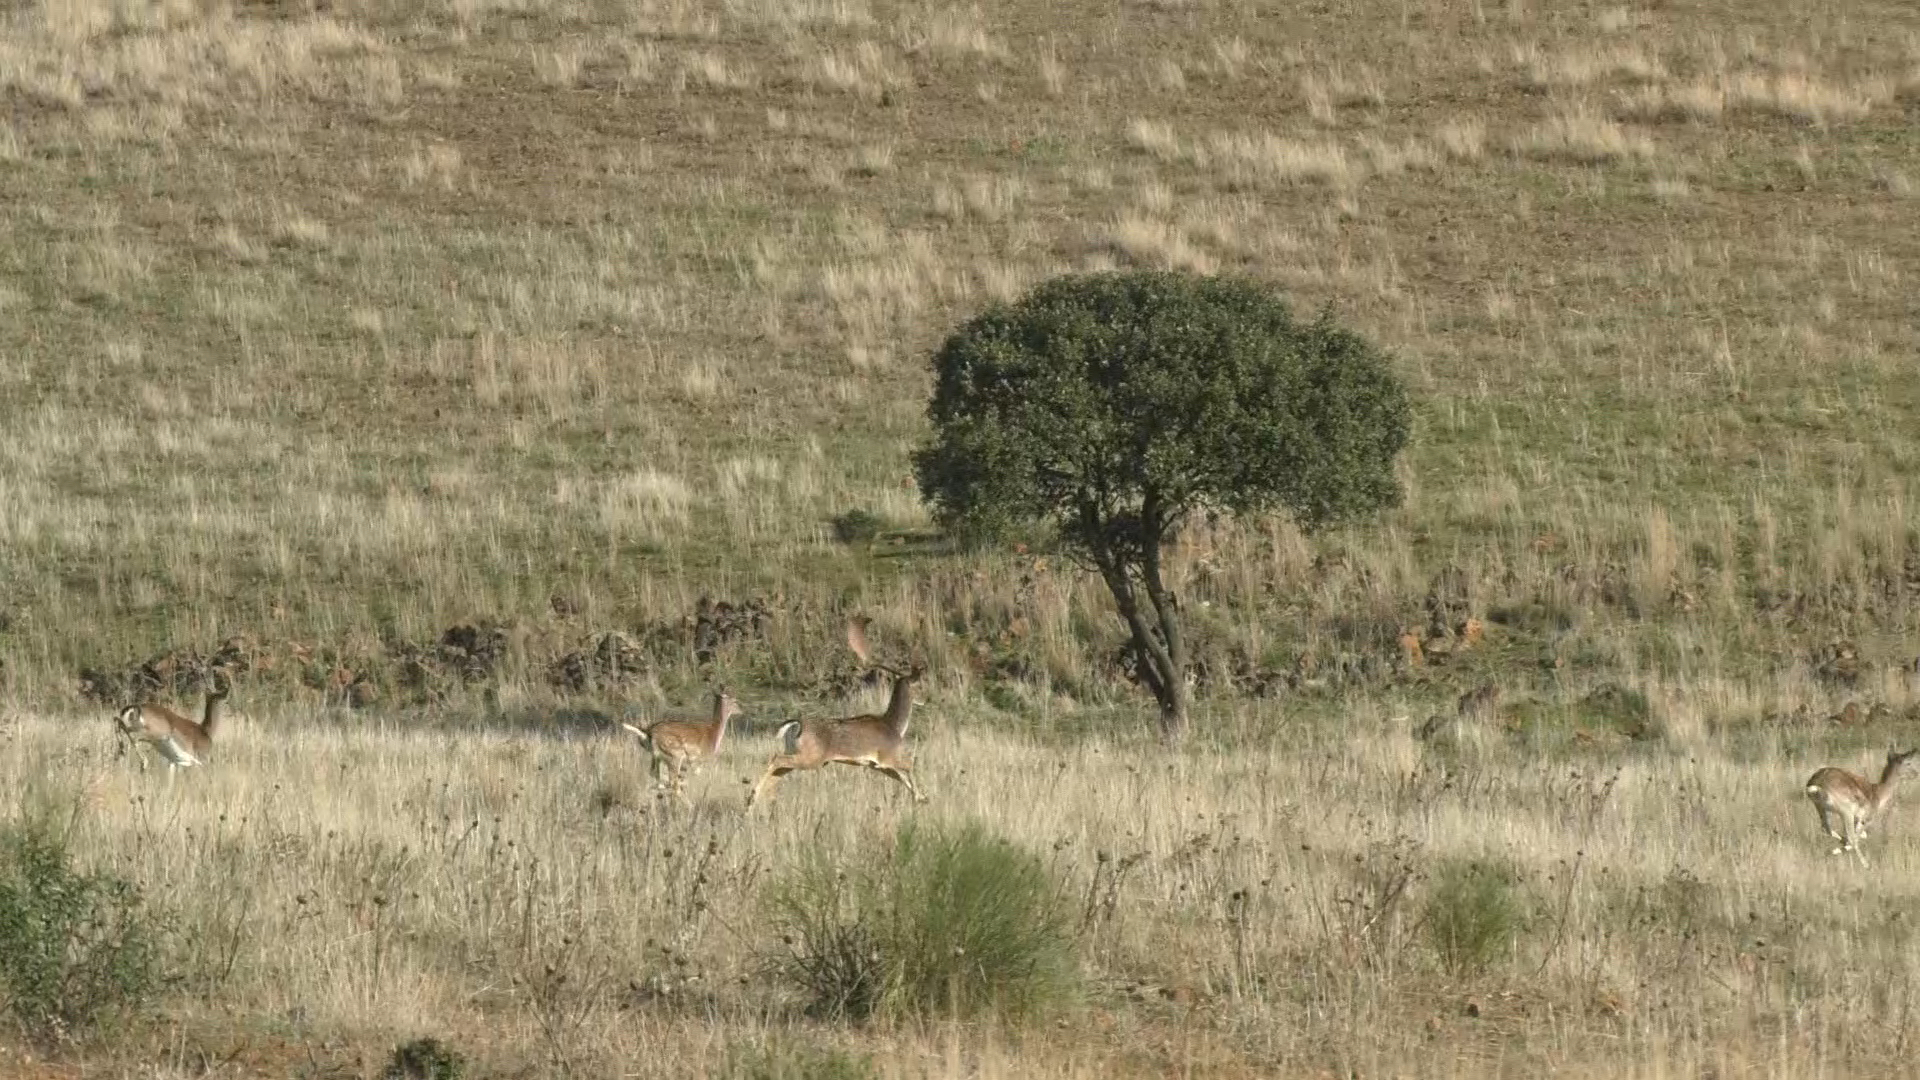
[(948, 921)]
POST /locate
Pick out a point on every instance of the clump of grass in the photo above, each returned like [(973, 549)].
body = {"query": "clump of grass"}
[(1583, 136), (1475, 914), (947, 921), (76, 948), (425, 1059)]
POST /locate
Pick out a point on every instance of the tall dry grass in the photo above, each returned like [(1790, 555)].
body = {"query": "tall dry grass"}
[(523, 896)]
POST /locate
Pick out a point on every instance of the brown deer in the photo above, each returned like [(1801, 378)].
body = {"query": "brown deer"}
[(680, 745), (1855, 802), (182, 742), (874, 742)]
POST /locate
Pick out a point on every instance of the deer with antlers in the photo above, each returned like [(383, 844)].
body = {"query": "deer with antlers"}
[(182, 742), (680, 745), (877, 742)]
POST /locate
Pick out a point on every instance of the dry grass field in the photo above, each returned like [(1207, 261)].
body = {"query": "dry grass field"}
[(478, 373)]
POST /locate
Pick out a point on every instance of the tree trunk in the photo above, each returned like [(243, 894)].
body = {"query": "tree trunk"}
[(1173, 702), (1158, 649)]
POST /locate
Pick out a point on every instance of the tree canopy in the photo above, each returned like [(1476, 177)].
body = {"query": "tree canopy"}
[(1115, 406)]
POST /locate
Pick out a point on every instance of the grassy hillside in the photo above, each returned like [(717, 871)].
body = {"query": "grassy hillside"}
[(437, 359)]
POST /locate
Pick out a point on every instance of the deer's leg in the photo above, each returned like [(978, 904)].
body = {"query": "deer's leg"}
[(780, 766), (1826, 823), (1856, 832), (904, 774)]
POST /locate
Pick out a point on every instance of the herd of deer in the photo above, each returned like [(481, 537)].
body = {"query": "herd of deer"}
[(1846, 803), (877, 742)]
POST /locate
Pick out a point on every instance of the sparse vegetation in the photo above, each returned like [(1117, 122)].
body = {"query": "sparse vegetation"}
[(797, 1061)]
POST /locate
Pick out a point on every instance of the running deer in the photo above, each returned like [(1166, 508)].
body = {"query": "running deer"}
[(1855, 802), (182, 742), (680, 745), (874, 742)]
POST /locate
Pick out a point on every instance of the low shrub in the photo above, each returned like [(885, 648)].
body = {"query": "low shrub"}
[(1476, 913), (75, 947), (856, 526), (946, 921), (425, 1059)]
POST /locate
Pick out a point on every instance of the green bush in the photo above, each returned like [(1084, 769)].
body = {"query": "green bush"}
[(950, 921), (797, 1061), (856, 527), (425, 1059), (1475, 914), (75, 948)]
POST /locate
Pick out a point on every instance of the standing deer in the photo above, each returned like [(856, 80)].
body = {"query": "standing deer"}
[(679, 745), (181, 741), (875, 742), (1837, 793)]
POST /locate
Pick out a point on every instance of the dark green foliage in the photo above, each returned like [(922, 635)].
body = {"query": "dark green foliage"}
[(1117, 406), (947, 921), (797, 1061), (1475, 914), (75, 948), (425, 1059), (856, 526), (1095, 396)]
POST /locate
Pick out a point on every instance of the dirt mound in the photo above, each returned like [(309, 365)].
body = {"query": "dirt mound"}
[(174, 673), (715, 624), (465, 653), (614, 658)]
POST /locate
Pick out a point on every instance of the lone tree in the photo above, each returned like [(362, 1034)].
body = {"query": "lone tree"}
[(1117, 406)]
